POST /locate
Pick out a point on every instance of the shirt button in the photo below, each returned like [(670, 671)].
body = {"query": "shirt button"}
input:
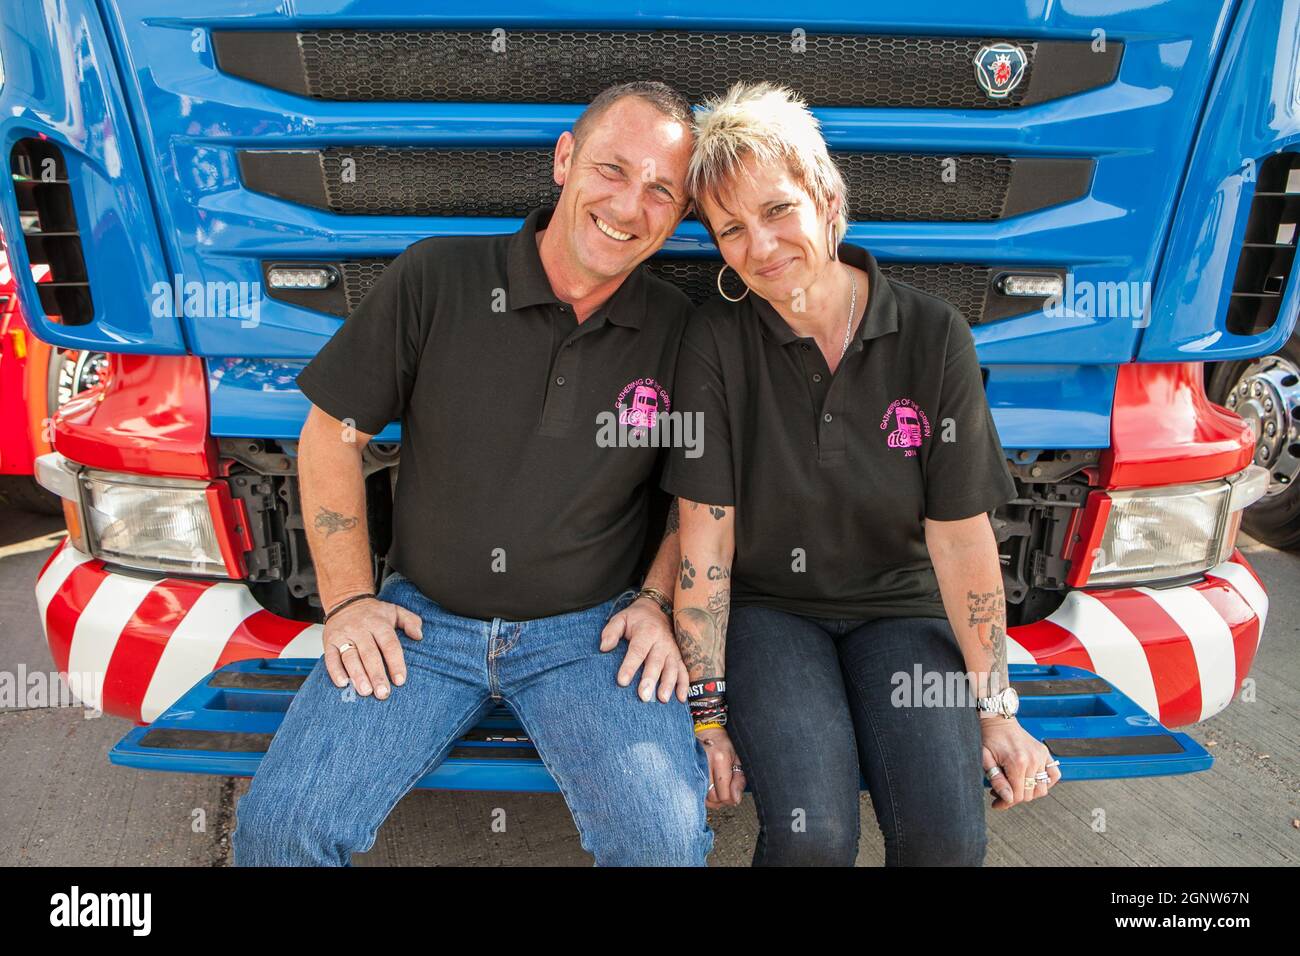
[(826, 417), (817, 376), (559, 380), (805, 346)]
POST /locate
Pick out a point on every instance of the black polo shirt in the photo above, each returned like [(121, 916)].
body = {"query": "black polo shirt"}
[(507, 505), (832, 476)]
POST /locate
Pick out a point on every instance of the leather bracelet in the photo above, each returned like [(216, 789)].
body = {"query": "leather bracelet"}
[(345, 602), (659, 598)]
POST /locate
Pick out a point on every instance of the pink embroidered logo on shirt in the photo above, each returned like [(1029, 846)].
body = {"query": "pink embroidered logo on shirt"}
[(910, 425), (649, 400)]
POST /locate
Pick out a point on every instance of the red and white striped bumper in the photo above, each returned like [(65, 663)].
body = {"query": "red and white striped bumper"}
[(1180, 653), (153, 638)]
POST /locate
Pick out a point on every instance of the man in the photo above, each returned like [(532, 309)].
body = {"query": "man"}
[(515, 529)]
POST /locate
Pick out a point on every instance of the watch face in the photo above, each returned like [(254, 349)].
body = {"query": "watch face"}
[(1011, 701)]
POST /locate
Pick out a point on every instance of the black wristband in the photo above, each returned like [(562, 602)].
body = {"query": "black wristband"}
[(707, 687), (342, 604)]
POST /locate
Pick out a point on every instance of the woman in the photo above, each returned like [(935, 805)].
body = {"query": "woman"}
[(838, 563)]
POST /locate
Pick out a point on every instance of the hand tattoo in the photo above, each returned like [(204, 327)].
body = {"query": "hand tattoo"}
[(331, 521)]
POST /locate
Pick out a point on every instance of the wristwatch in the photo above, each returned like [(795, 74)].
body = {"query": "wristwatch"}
[(1005, 703)]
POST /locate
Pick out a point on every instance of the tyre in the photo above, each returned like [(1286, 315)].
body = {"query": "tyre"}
[(22, 492), (1266, 392)]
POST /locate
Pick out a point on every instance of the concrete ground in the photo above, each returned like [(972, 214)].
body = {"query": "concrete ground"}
[(61, 803)]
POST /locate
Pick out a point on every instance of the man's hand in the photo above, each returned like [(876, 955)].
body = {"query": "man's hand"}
[(362, 638), (650, 641), (1020, 757)]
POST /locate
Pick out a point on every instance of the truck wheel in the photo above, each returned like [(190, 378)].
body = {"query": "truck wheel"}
[(72, 371), (22, 492), (1266, 391)]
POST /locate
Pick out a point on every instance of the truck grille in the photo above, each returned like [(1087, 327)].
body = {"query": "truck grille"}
[(39, 175), (571, 66), (1269, 247), (508, 182), (971, 287)]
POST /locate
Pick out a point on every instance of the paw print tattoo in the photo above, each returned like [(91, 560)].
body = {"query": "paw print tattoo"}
[(688, 574), (718, 513)]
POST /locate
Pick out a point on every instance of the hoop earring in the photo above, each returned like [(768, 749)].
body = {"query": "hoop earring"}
[(724, 268), (831, 245)]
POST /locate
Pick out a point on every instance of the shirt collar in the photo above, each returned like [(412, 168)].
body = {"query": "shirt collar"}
[(881, 316), (528, 285)]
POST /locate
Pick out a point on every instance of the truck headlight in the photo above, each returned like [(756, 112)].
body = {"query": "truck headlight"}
[(141, 521), (1173, 531)]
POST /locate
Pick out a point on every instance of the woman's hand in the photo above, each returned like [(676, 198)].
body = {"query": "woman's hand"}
[(1015, 760), (726, 779)]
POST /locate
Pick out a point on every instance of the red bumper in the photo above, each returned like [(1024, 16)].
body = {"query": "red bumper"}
[(1180, 653)]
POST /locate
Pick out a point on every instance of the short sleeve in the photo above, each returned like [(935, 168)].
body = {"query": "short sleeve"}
[(366, 371), (701, 470), (966, 472)]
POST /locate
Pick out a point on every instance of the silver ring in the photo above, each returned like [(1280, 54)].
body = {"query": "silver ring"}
[(345, 646), (1051, 763), (1042, 777), (737, 770), (710, 788), (993, 772)]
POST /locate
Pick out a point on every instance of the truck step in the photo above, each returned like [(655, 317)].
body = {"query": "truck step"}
[(224, 724)]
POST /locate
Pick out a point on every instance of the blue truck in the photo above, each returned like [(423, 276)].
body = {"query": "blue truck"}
[(1108, 192)]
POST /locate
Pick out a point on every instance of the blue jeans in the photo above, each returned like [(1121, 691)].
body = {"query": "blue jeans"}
[(811, 709), (631, 772)]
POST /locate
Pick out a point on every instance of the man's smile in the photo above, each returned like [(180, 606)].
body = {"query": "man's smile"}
[(610, 231)]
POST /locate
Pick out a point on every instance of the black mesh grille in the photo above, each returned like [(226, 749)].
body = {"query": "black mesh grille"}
[(962, 284), (572, 66), (883, 187), (438, 182), (358, 276)]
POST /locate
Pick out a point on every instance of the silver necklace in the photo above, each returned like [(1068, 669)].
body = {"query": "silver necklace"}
[(853, 308)]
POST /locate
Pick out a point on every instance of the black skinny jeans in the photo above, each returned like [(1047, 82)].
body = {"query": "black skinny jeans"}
[(810, 709)]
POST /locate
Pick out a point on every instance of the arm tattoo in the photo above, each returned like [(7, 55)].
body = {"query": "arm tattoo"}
[(674, 522), (688, 574), (988, 615), (331, 521), (702, 634)]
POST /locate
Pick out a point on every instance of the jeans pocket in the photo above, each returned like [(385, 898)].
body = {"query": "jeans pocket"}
[(394, 587)]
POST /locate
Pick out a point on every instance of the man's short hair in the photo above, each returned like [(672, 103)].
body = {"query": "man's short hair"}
[(659, 95)]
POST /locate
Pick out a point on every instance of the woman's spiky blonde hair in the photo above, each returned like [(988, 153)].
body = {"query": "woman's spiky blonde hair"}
[(771, 124)]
